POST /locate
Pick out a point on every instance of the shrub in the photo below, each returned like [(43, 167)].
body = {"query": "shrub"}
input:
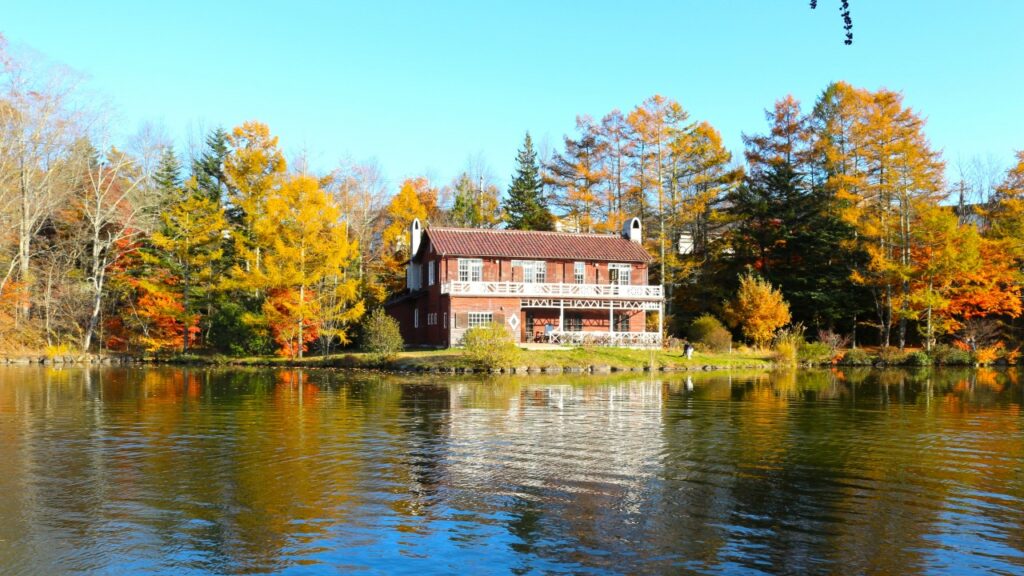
[(857, 357), (490, 346), (710, 332), (918, 358), (56, 350), (381, 337), (787, 346), (946, 355), (891, 356), (986, 355), (815, 352), (834, 340)]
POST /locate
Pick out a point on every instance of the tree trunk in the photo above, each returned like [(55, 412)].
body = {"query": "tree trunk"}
[(302, 300)]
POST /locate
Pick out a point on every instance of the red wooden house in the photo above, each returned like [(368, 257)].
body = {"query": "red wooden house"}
[(555, 287)]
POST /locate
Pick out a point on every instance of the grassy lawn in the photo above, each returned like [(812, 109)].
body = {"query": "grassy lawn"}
[(622, 358)]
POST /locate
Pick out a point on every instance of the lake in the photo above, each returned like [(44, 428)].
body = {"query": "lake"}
[(197, 471)]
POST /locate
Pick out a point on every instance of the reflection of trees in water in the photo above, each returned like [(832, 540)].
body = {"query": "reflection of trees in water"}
[(256, 470)]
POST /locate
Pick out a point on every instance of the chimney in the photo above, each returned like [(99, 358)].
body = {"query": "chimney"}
[(415, 235), (633, 231)]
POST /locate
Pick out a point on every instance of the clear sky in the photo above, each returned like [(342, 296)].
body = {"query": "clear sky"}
[(422, 86)]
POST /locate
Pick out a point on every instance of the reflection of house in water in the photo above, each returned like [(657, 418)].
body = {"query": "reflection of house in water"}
[(574, 452)]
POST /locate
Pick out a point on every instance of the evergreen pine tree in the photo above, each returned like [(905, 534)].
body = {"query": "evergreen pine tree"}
[(167, 179), (525, 207), (208, 169)]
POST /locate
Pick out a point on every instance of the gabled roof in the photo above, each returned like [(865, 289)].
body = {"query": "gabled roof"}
[(532, 245)]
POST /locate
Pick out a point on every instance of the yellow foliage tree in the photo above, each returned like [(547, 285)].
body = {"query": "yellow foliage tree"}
[(758, 309), (253, 169), (1006, 215), (405, 207), (308, 254), (189, 245)]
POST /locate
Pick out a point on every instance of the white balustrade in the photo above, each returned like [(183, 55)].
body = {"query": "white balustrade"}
[(596, 338), (526, 289)]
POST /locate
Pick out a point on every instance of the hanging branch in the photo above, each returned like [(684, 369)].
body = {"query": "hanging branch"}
[(844, 11)]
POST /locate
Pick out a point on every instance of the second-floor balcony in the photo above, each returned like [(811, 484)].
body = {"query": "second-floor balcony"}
[(538, 289)]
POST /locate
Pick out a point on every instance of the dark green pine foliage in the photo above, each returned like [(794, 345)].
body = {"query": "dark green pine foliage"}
[(794, 237), (208, 168), (525, 207), (167, 177)]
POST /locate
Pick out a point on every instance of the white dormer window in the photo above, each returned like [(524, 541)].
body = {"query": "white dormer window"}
[(431, 273), (579, 272)]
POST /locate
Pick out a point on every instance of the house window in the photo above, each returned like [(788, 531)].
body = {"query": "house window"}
[(415, 317), (480, 319), (534, 271), (621, 322), (471, 269), (579, 272), (445, 318), (431, 272), (573, 323), (619, 273)]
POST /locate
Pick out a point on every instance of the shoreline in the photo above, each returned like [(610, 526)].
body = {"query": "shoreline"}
[(572, 361)]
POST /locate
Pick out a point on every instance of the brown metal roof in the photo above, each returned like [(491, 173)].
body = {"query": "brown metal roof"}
[(528, 244)]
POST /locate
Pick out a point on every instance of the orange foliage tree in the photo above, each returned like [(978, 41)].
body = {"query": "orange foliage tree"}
[(758, 309)]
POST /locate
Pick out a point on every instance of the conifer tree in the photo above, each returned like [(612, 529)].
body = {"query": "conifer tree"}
[(526, 207), (208, 168), (189, 247), (167, 176), (474, 205)]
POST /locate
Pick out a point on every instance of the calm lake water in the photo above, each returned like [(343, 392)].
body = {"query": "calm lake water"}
[(127, 471)]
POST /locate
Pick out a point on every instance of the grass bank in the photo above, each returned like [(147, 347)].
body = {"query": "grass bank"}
[(599, 359)]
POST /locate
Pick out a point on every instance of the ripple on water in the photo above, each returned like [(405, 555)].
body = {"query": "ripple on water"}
[(127, 471)]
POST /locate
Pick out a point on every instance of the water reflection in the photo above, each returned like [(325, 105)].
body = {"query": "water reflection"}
[(249, 471)]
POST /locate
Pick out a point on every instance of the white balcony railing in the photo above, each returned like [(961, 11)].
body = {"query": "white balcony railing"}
[(596, 338), (535, 290)]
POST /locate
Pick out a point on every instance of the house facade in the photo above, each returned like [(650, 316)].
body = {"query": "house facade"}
[(555, 287)]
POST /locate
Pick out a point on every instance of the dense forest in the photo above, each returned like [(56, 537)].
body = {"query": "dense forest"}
[(228, 247)]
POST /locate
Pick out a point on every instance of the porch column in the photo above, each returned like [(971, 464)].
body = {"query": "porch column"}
[(661, 319), (611, 316), (561, 315)]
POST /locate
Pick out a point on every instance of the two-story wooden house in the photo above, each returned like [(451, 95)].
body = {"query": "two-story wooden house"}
[(556, 287)]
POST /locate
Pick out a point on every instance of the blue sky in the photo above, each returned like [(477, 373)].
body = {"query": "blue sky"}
[(423, 86)]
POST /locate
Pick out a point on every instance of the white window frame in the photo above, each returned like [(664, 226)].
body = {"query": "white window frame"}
[(445, 319), (431, 273), (415, 317), (579, 272), (471, 270), (534, 271), (617, 272), (474, 319)]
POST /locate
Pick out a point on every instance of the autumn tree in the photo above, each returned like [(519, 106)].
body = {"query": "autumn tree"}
[(525, 207), (116, 212), (576, 175), (39, 135), (306, 243), (1005, 213), (188, 246), (758, 309), (252, 169), (361, 193), (398, 215)]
